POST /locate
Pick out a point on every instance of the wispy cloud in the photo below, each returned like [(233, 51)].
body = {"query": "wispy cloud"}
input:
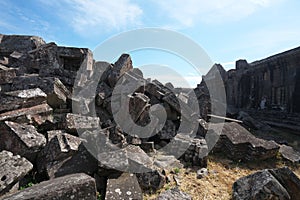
[(189, 12), (89, 17)]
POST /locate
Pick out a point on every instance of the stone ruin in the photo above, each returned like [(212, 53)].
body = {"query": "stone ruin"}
[(44, 127)]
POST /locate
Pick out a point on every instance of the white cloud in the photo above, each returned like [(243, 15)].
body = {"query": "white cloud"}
[(188, 12), (94, 16)]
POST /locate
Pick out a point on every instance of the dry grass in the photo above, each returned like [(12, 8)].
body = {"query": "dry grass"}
[(223, 173)]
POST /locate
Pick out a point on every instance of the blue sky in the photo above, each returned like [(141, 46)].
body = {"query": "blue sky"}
[(226, 29)]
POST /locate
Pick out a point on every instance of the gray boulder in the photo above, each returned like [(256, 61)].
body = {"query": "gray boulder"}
[(75, 187), (268, 184)]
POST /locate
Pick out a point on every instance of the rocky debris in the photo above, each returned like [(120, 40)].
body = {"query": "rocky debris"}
[(289, 153), (39, 97), (268, 184), (194, 150), (168, 131), (139, 107), (201, 173), (75, 122), (123, 65), (166, 162), (22, 44), (239, 144), (21, 139), (6, 75), (151, 181), (131, 158), (64, 154), (148, 147), (57, 93), (75, 186), (197, 153), (173, 194), (21, 99), (12, 170), (103, 92), (125, 186), (41, 112)]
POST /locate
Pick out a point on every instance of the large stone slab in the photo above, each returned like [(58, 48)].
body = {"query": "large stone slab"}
[(21, 99), (12, 170), (21, 139), (239, 144), (129, 159), (56, 91), (26, 115), (75, 187), (125, 186)]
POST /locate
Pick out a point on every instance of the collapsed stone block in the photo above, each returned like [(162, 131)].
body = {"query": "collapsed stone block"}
[(21, 139), (75, 186), (125, 186), (123, 65), (130, 159), (41, 112), (6, 74), (21, 99), (151, 181), (76, 122), (239, 144), (268, 184), (12, 170), (64, 154)]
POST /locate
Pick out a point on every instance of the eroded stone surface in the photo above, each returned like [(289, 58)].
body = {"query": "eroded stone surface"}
[(25, 115), (21, 139), (289, 153), (76, 122), (151, 181), (268, 184), (12, 170), (21, 99), (65, 154), (125, 186), (239, 144), (174, 193), (75, 186)]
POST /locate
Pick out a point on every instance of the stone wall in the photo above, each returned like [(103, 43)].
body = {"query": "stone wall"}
[(277, 79)]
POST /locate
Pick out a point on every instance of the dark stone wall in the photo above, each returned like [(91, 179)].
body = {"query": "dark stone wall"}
[(276, 78)]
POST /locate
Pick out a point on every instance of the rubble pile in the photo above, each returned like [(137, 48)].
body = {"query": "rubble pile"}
[(81, 129), (45, 125)]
